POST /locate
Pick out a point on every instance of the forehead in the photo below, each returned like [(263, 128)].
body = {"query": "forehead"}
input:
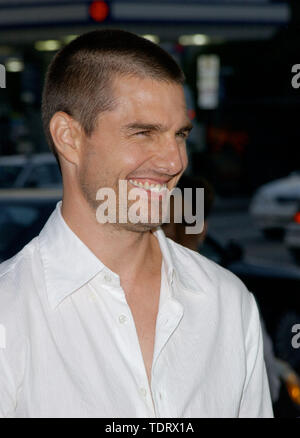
[(149, 99)]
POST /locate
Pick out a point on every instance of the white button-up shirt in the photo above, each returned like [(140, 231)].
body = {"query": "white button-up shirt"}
[(70, 347)]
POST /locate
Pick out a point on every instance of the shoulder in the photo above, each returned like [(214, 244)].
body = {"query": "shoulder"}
[(15, 263), (14, 275), (220, 287), (198, 272), (194, 264), (14, 325)]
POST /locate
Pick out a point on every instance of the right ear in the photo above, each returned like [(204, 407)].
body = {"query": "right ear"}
[(67, 136)]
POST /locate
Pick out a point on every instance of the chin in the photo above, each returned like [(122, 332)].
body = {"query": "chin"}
[(139, 227)]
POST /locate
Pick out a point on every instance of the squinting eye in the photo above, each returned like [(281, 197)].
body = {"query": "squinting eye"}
[(183, 135), (145, 133)]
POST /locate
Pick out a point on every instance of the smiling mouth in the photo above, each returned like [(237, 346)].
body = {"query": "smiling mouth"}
[(156, 188)]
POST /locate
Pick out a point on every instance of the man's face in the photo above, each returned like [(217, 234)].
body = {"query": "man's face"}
[(143, 139)]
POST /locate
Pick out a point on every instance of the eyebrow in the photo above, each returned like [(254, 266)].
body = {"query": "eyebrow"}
[(153, 127)]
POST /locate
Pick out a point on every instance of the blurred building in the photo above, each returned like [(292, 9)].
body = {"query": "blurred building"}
[(237, 57)]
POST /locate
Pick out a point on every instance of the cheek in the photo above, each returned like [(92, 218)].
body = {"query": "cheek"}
[(184, 156), (91, 173), (88, 163), (130, 157)]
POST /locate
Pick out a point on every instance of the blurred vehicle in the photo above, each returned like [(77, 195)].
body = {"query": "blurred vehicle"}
[(37, 170), (275, 203), (22, 215), (277, 292), (290, 391), (292, 236)]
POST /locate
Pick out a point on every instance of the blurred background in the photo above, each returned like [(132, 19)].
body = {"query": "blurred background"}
[(241, 59)]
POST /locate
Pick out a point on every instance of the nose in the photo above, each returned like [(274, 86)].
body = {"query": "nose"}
[(171, 157)]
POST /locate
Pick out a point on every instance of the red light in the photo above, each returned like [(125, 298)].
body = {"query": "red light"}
[(179, 48), (99, 11), (191, 114), (297, 217)]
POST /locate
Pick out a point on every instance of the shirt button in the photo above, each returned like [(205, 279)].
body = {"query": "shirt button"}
[(143, 391), (107, 278), (92, 296), (122, 319), (160, 395)]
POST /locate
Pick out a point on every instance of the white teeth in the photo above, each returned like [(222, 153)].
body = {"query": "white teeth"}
[(147, 186)]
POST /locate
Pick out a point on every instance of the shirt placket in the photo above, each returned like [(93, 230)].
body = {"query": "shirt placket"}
[(130, 347), (168, 318)]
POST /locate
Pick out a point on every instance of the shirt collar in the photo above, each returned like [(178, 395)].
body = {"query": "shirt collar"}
[(167, 258), (69, 264)]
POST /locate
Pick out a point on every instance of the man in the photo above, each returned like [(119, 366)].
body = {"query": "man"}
[(112, 319)]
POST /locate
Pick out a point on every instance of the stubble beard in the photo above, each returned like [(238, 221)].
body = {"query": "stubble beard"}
[(89, 192)]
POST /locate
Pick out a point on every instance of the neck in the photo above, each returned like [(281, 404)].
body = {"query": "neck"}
[(127, 253)]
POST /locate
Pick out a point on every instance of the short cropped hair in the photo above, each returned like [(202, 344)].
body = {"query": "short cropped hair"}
[(80, 77)]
